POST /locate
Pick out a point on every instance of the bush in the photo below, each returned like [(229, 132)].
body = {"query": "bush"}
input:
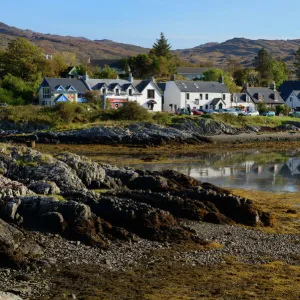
[(132, 111), (262, 107), (162, 118)]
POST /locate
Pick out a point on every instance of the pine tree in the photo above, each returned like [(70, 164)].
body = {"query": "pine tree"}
[(162, 47), (297, 63), (263, 65)]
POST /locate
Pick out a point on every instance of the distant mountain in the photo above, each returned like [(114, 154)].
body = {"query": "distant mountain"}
[(242, 49), (83, 47)]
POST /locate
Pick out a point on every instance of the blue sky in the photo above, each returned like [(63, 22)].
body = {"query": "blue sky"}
[(186, 23)]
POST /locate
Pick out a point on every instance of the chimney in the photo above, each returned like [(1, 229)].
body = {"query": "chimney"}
[(221, 79), (85, 76), (153, 79), (130, 78), (245, 86), (273, 86), (173, 77), (89, 60)]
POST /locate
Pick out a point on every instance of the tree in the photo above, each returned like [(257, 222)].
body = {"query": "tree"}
[(263, 64), (214, 75), (24, 60), (56, 66), (161, 47), (252, 77), (261, 107), (280, 71), (92, 97), (107, 73), (297, 63)]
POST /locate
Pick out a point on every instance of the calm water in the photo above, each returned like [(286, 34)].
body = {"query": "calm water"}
[(273, 171)]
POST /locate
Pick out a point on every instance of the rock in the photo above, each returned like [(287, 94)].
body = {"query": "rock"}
[(44, 188), (23, 277), (91, 173), (15, 249), (9, 296), (153, 183)]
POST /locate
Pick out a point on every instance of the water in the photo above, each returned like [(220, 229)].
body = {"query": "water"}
[(271, 171)]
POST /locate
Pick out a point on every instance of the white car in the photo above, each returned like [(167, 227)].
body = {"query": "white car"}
[(253, 113)]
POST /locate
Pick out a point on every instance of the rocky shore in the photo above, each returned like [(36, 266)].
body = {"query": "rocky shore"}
[(66, 209), (183, 131)]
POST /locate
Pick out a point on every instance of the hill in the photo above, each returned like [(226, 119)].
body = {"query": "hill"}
[(241, 49), (82, 47)]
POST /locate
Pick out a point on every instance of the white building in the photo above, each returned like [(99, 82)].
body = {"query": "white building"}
[(196, 94), (115, 91), (290, 93)]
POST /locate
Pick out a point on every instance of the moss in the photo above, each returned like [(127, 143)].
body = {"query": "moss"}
[(22, 163)]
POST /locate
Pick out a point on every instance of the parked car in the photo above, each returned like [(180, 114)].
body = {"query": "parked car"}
[(295, 114), (197, 112), (3, 104), (253, 113), (269, 114), (209, 111), (231, 111)]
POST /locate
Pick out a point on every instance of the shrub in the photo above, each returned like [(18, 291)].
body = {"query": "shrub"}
[(262, 107), (162, 118), (133, 111)]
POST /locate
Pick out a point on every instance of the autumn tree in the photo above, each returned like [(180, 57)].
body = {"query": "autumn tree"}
[(106, 73), (214, 75), (24, 60)]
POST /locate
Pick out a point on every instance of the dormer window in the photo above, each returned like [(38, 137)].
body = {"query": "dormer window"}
[(130, 92), (117, 91), (60, 88), (104, 91)]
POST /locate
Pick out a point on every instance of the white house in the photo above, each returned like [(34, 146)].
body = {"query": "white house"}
[(55, 90), (116, 91), (196, 94), (242, 100), (290, 93)]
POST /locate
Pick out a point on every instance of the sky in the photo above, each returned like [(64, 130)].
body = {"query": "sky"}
[(185, 23)]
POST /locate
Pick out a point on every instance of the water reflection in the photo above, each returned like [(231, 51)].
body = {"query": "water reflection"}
[(276, 171)]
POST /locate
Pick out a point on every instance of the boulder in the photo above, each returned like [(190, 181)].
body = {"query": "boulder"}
[(44, 187)]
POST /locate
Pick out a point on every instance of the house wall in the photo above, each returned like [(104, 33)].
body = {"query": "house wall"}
[(143, 99), (172, 96), (294, 103), (73, 97)]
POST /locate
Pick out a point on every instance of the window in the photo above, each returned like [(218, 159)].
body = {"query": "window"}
[(46, 92), (291, 99), (206, 96), (187, 96), (201, 96), (130, 92), (224, 97), (150, 94), (206, 106), (117, 91), (201, 107), (197, 101), (103, 91)]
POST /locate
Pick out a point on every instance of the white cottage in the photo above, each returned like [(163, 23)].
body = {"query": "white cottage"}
[(290, 93), (196, 94)]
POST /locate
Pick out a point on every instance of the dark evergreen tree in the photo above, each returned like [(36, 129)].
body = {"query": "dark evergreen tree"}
[(161, 47), (263, 64), (297, 63)]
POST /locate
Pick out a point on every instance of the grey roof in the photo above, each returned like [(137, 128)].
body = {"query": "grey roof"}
[(142, 85), (288, 87), (162, 86), (240, 97), (78, 84), (96, 84), (268, 95), (216, 101), (191, 70), (201, 86)]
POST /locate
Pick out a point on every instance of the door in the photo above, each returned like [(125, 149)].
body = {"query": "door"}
[(220, 106)]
